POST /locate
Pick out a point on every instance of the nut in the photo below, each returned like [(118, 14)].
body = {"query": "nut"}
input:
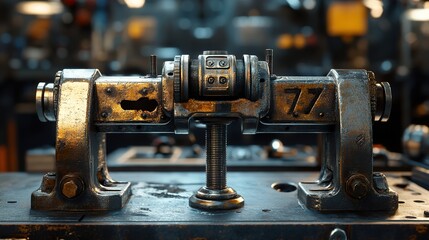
[(71, 187), (358, 186)]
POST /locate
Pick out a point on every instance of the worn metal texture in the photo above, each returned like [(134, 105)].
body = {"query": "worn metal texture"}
[(217, 88), (128, 100), (81, 180), (347, 180), (302, 100), (158, 209)]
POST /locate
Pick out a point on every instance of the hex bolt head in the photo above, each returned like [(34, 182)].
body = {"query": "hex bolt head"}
[(223, 80), (71, 187), (357, 186), (211, 80)]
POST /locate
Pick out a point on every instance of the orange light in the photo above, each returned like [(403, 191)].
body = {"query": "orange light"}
[(299, 41), (284, 41)]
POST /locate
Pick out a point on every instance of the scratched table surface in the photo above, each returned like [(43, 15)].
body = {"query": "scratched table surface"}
[(158, 209)]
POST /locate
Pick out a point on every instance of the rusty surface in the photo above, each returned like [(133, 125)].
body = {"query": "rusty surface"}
[(167, 87), (221, 89), (302, 100), (80, 155), (143, 95), (158, 209), (346, 180)]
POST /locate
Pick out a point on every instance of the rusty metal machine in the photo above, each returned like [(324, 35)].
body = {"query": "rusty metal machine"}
[(213, 90)]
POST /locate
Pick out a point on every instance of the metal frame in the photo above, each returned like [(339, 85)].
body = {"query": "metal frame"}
[(347, 181), (81, 181)]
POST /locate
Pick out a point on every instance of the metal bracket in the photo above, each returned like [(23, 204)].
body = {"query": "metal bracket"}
[(81, 181), (347, 181)]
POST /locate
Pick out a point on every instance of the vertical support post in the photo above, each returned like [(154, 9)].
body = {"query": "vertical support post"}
[(81, 181)]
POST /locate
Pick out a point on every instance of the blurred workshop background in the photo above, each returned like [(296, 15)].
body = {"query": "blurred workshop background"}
[(309, 37)]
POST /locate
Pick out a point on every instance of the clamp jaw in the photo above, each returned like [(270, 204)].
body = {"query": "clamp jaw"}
[(215, 89)]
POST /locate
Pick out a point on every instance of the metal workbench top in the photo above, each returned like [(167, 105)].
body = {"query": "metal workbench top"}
[(158, 208)]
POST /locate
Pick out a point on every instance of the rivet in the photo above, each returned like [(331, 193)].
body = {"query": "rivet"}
[(104, 114)]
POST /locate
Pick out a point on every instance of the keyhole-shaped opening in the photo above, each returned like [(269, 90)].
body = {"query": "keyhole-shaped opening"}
[(144, 104)]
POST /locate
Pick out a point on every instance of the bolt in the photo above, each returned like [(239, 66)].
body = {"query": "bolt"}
[(216, 195), (210, 63), (222, 63), (70, 188), (357, 186), (338, 234), (144, 115), (211, 80), (216, 140), (223, 80)]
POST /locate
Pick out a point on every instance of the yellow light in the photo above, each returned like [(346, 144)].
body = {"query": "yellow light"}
[(39, 8), (135, 3), (347, 19), (418, 14)]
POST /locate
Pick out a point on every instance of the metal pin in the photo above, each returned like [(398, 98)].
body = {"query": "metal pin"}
[(153, 65), (269, 60)]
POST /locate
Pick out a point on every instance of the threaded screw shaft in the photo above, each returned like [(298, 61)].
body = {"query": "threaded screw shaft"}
[(216, 141)]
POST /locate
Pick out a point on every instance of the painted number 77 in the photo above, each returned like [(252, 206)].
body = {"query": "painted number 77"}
[(315, 92)]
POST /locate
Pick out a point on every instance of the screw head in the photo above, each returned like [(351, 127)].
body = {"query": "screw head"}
[(210, 63), (211, 80), (223, 80), (222, 63)]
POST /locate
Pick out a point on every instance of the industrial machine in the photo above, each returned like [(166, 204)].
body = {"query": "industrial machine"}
[(219, 144), (214, 90)]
